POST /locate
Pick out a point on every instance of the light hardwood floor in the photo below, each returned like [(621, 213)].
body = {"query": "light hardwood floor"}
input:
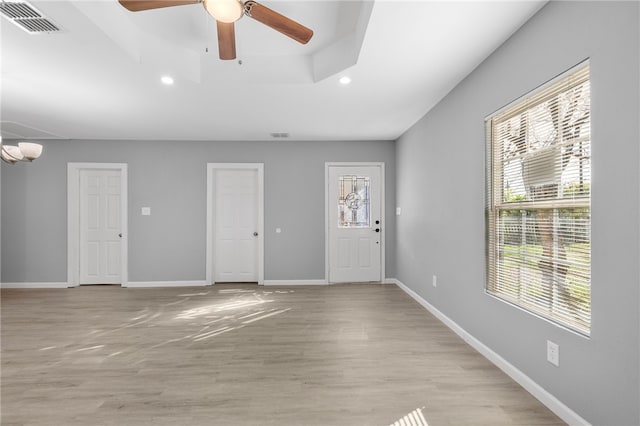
[(244, 355)]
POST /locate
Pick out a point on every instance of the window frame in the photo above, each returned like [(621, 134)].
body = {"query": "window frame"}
[(496, 163)]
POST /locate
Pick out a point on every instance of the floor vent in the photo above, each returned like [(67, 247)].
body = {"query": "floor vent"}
[(27, 17)]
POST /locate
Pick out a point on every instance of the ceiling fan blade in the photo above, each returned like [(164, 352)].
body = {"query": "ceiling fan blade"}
[(138, 5), (226, 40), (278, 22)]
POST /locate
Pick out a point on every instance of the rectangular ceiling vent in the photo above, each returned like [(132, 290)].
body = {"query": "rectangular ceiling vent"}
[(279, 135), (27, 17)]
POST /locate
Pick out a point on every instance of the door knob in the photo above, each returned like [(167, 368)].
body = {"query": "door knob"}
[(255, 234), (120, 235)]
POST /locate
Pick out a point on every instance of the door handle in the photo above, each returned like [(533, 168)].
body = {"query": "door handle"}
[(120, 235), (255, 234)]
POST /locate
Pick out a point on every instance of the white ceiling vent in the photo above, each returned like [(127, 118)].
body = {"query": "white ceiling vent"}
[(279, 135), (27, 17)]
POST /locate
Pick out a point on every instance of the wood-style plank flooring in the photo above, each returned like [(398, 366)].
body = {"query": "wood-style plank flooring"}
[(244, 355)]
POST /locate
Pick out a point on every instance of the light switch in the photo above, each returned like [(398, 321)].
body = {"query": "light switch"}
[(146, 211), (398, 211), (278, 230)]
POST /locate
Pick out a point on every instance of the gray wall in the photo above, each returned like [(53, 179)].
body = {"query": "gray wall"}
[(440, 174), (170, 177)]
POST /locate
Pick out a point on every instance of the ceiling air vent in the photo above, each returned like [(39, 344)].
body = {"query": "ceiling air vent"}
[(27, 17), (279, 135)]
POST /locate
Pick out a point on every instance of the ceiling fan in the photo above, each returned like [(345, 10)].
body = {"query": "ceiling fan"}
[(226, 12)]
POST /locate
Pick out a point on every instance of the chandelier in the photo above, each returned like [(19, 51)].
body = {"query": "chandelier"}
[(24, 151)]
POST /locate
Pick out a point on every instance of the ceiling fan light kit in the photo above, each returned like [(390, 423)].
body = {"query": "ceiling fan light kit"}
[(226, 12)]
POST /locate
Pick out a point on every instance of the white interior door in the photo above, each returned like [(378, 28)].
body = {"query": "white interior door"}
[(355, 228), (236, 226), (100, 226)]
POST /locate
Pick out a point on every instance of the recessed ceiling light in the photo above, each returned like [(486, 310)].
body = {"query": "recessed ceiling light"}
[(345, 80), (167, 80)]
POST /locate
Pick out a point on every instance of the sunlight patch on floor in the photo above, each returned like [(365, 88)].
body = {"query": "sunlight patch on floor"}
[(234, 291), (266, 316), (91, 348), (236, 309), (209, 309), (414, 418), (215, 333)]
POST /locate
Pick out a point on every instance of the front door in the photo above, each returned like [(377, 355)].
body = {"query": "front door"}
[(100, 226), (236, 226), (355, 228)]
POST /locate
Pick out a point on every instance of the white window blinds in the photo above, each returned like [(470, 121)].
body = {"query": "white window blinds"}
[(539, 197)]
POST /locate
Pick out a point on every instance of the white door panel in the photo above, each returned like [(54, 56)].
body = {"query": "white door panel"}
[(236, 221), (344, 252), (364, 252), (113, 260), (355, 237), (100, 227)]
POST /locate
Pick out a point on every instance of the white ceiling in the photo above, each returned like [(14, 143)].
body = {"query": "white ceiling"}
[(99, 78)]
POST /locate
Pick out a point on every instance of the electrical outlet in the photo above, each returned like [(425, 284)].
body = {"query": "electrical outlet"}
[(435, 281), (553, 353)]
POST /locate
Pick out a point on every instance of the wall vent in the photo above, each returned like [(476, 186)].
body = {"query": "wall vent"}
[(27, 17)]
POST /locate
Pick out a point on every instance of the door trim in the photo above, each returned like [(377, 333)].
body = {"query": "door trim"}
[(73, 219), (327, 208), (211, 187)]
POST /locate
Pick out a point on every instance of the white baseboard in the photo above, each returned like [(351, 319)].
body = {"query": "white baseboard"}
[(295, 282), (550, 401), (149, 284), (34, 285), (317, 282)]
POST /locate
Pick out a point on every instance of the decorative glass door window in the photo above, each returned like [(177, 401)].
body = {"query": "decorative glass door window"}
[(353, 202)]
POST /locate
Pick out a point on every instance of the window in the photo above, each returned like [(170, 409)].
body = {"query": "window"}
[(538, 201), (353, 202)]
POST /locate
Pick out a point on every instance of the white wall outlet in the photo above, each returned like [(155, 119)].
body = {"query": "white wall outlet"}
[(553, 353), (145, 211), (278, 230), (435, 281)]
